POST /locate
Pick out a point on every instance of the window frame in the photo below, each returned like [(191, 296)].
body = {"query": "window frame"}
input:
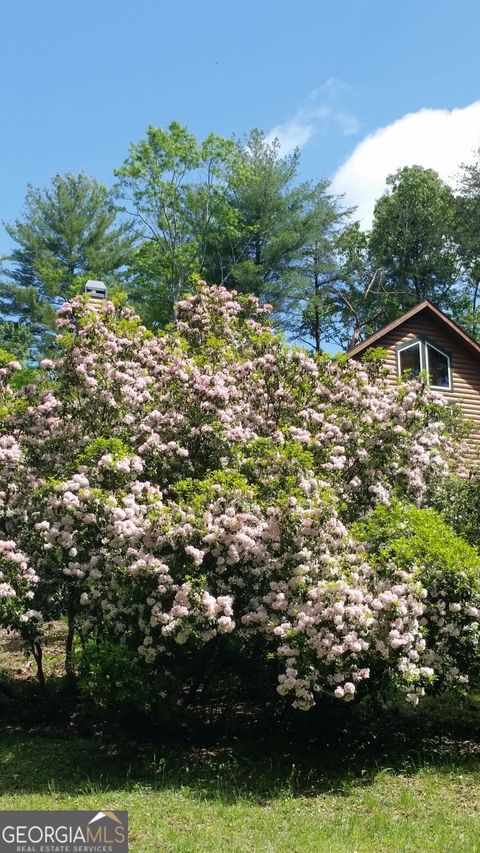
[(423, 344), (446, 355), (416, 342)]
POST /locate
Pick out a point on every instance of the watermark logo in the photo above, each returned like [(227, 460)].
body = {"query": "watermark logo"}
[(63, 832)]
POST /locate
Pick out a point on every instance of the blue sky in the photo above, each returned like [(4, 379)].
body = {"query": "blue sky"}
[(80, 81)]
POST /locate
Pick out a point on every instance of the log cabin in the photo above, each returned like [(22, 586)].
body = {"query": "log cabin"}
[(425, 340)]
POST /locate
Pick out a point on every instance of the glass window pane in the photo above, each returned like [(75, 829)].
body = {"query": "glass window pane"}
[(410, 360), (438, 368)]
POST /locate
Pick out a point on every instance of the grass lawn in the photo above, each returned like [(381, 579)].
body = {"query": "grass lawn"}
[(239, 799), (403, 783)]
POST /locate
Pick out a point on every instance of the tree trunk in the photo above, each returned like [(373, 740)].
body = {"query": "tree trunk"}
[(318, 347), (37, 652), (356, 335), (69, 669), (474, 309), (317, 330), (258, 251)]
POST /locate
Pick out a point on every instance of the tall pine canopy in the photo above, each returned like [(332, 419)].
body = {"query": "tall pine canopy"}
[(68, 233), (286, 230)]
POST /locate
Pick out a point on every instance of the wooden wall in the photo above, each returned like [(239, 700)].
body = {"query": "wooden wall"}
[(465, 367)]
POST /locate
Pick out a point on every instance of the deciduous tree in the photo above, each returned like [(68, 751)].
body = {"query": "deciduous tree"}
[(174, 188), (467, 234), (412, 242)]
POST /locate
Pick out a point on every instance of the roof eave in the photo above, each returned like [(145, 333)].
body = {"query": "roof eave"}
[(426, 305)]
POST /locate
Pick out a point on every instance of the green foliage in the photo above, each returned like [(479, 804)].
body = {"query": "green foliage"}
[(112, 678), (342, 305), (458, 499), (6, 357), (467, 237), (15, 338), (405, 541), (287, 229), (197, 494), (412, 241), (375, 355), (23, 377), (235, 213), (404, 536), (276, 468), (100, 446), (261, 472), (232, 213), (68, 233), (177, 187)]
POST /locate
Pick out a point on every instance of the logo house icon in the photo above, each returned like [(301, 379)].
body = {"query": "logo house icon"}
[(101, 815), (108, 829)]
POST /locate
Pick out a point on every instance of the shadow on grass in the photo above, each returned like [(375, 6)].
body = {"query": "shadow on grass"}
[(246, 753)]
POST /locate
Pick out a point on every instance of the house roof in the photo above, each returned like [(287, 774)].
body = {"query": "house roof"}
[(431, 309)]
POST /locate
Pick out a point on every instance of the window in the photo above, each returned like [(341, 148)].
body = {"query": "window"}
[(438, 366), (410, 360), (421, 355)]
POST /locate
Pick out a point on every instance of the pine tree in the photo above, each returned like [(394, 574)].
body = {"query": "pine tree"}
[(68, 233)]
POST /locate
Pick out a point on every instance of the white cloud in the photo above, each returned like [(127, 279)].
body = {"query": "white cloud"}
[(299, 130), (318, 113), (436, 139)]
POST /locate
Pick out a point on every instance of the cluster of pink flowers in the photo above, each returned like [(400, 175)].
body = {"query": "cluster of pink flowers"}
[(17, 586), (346, 624)]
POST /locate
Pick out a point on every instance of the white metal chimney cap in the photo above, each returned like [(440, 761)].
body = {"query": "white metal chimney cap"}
[(96, 289)]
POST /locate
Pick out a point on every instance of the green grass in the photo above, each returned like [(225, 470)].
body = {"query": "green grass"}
[(240, 780), (244, 799)]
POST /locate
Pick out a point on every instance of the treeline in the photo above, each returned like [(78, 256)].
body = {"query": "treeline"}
[(236, 213)]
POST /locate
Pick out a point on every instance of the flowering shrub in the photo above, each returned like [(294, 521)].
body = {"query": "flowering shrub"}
[(196, 491)]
